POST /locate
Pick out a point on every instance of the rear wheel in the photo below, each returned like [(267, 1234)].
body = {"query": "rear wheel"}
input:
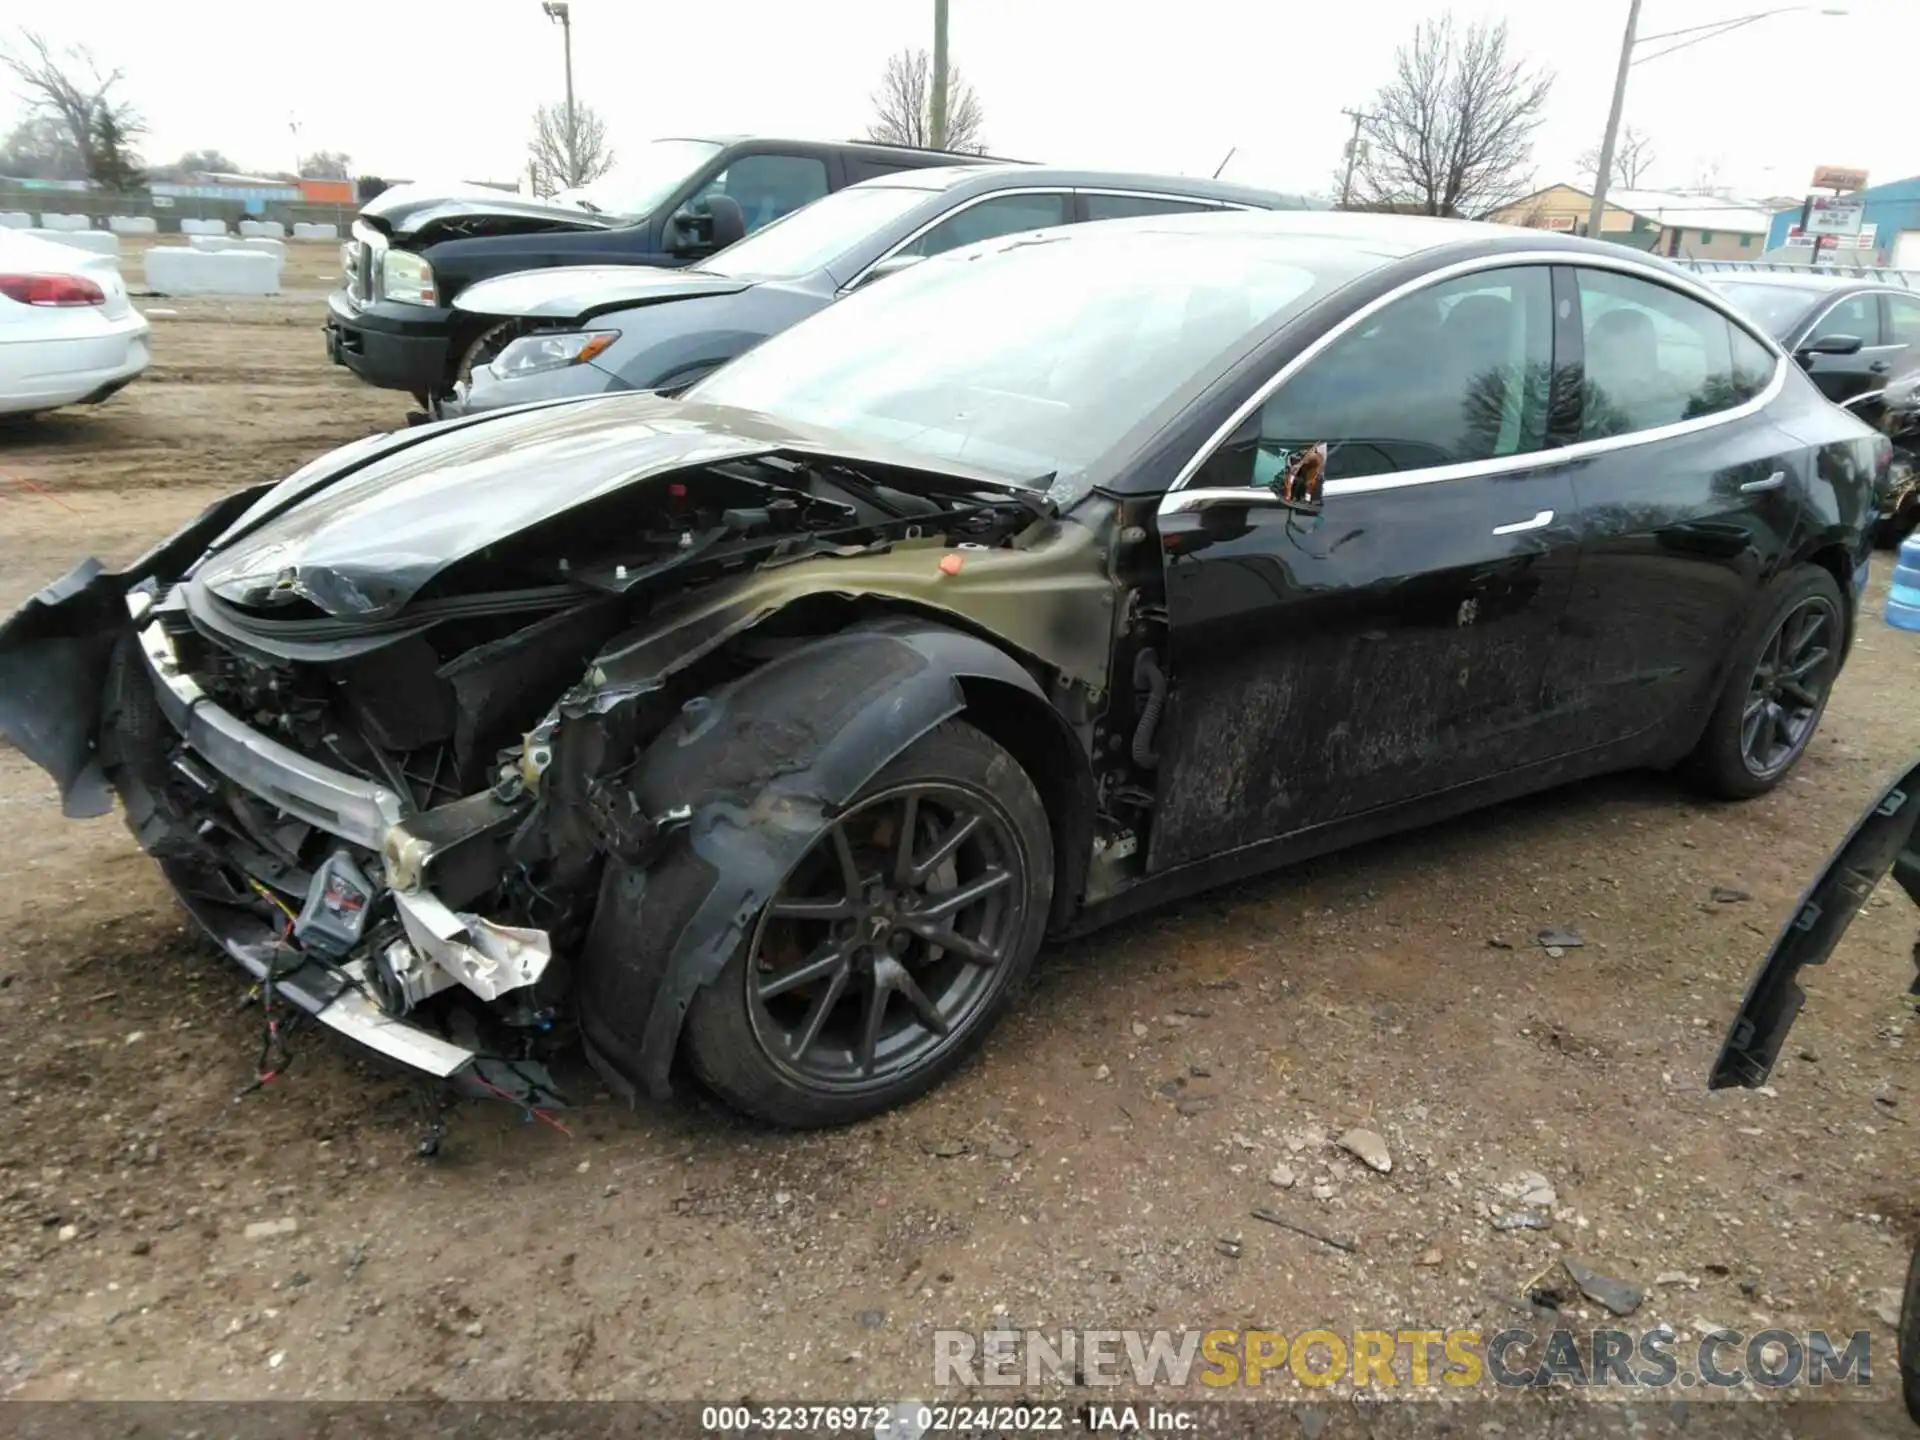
[(1777, 689), (891, 948)]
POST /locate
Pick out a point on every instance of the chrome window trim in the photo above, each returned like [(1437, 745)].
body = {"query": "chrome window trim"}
[(1528, 460), (1065, 192), (1201, 203)]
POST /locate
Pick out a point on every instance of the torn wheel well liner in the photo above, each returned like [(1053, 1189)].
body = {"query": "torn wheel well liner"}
[(763, 762)]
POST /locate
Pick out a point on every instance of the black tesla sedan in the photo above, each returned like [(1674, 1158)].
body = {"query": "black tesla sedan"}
[(776, 725)]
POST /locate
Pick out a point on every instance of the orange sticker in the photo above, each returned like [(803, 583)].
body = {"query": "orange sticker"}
[(950, 564)]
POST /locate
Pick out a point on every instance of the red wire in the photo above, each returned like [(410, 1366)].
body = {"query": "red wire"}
[(530, 1109)]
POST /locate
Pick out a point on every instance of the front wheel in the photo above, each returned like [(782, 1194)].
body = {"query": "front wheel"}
[(1777, 689), (891, 948)]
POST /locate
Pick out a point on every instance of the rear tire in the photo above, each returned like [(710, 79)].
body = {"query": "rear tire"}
[(1777, 688), (890, 1012)]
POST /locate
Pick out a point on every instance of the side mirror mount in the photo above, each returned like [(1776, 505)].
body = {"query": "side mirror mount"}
[(1828, 345), (892, 265), (715, 224), (1300, 485)]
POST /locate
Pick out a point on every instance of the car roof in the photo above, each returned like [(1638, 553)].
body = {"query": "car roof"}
[(991, 176), (926, 153), (1780, 280), (1384, 237)]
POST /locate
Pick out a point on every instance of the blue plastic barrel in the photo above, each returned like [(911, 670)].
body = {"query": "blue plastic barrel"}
[(1903, 599)]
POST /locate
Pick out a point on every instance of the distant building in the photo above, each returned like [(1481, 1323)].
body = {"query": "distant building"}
[(1889, 230), (1700, 226)]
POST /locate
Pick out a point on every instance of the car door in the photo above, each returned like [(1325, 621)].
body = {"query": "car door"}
[(1845, 377), (1902, 316), (1688, 499), (1393, 645)]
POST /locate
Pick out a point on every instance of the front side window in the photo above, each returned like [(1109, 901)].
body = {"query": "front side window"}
[(1857, 316), (1458, 372), (765, 187), (1656, 357), (990, 219), (1130, 207)]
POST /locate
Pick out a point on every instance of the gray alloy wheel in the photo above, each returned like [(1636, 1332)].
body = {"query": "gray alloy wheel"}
[(891, 946)]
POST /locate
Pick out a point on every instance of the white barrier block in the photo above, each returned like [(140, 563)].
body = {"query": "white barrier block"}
[(65, 222), (306, 230), (100, 242), (15, 220), (215, 242), (133, 224), (272, 228), (191, 226), (178, 270), (266, 244)]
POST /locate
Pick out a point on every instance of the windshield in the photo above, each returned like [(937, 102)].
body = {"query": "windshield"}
[(1034, 357), (634, 188), (1778, 308), (815, 235)]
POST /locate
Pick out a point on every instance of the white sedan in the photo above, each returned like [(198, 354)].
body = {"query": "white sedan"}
[(68, 333)]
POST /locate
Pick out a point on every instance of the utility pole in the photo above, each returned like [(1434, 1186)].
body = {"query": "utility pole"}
[(560, 10), (1605, 173), (937, 101), (1353, 154)]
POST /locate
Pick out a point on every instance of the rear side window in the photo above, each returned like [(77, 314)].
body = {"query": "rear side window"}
[(1128, 207), (859, 168), (1656, 357), (765, 187), (1002, 215), (1903, 320)]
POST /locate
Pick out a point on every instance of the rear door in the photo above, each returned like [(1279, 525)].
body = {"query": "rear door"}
[(1394, 645), (1688, 499)]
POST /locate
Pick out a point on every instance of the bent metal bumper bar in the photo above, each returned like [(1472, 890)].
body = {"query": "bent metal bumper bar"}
[(467, 948)]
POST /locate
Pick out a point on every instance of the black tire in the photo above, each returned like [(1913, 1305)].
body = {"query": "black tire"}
[(732, 1038), (1908, 1339), (1723, 763)]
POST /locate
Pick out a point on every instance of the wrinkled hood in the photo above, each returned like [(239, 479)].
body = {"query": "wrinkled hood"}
[(579, 292), (424, 211), (361, 532)]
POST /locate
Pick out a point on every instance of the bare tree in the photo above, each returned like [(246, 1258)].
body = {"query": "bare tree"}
[(41, 148), (1452, 132), (569, 147), (1632, 157), (69, 89), (326, 165), (902, 106)]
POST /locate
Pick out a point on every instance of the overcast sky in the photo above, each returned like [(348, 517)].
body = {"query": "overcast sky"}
[(417, 91)]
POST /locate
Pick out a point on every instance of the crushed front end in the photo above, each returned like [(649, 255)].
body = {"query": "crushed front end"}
[(389, 787)]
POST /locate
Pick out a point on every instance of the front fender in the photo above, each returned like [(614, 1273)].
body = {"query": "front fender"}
[(762, 765)]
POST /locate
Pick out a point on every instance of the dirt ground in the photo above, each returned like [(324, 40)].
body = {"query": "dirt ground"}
[(1096, 1165)]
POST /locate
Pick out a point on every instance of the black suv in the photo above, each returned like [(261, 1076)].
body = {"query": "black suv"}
[(415, 247)]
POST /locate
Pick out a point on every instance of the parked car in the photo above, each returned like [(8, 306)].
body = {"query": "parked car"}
[(772, 727), (592, 330), (416, 247), (68, 333), (1859, 338)]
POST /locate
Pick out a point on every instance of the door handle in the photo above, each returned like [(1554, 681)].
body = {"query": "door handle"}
[(1880, 367), (1772, 482), (1538, 522)]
